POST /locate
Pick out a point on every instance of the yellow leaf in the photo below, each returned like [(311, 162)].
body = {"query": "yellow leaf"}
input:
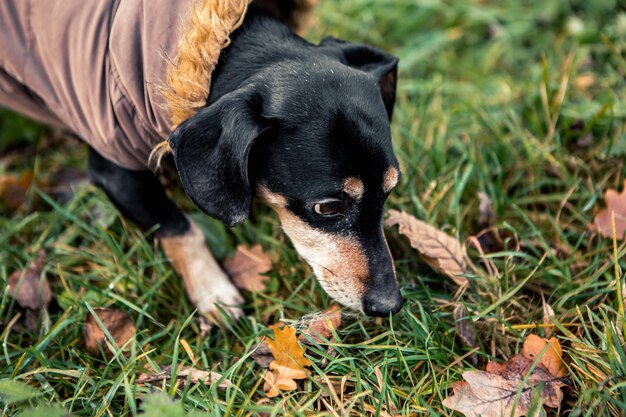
[(286, 350), (288, 363)]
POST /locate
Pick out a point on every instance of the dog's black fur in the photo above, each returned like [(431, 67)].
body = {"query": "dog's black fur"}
[(295, 118)]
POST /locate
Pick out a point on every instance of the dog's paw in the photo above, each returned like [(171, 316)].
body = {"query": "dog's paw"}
[(219, 301), (220, 294), (213, 303), (207, 286)]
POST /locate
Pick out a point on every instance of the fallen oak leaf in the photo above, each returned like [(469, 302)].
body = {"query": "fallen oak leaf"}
[(247, 265), (440, 250), (315, 328), (29, 288), (183, 374), (288, 363), (117, 323), (286, 350), (484, 394), (615, 206), (506, 389), (281, 378)]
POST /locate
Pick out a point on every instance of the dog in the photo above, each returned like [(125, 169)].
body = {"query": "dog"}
[(303, 127)]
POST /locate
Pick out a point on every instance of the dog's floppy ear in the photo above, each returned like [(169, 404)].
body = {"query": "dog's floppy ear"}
[(211, 153), (382, 65)]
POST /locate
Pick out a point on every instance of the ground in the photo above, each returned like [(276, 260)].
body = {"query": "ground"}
[(520, 100)]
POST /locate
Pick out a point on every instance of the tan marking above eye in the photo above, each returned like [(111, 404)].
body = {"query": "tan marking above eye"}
[(390, 179), (339, 262), (354, 187)]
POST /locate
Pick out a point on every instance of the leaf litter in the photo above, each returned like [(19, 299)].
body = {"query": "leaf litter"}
[(116, 322), (184, 374), (507, 387), (31, 290), (29, 287), (247, 266), (313, 328), (464, 330), (14, 189), (441, 251), (516, 387), (289, 362), (615, 207)]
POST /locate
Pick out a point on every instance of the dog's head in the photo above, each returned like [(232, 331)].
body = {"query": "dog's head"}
[(310, 136)]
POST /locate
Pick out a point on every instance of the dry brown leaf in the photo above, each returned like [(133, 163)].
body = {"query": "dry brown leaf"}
[(288, 363), (615, 203), (14, 188), (262, 354), (441, 251), (464, 329), (246, 267), (550, 359), (29, 288), (117, 323), (184, 373), (506, 390), (322, 326), (491, 240), (484, 394)]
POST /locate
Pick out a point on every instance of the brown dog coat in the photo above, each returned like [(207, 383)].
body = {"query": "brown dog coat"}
[(120, 74)]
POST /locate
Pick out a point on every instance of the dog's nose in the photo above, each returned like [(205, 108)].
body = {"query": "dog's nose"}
[(382, 302)]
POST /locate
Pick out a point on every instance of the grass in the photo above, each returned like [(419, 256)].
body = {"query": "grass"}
[(521, 100)]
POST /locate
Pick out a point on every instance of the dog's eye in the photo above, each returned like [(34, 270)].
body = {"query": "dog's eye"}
[(328, 208)]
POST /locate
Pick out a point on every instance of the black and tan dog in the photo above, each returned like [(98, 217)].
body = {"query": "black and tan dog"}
[(306, 128)]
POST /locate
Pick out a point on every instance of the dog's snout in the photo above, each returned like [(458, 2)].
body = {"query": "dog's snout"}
[(381, 302)]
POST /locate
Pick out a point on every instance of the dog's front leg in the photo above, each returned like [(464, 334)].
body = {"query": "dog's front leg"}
[(139, 196), (205, 282)]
